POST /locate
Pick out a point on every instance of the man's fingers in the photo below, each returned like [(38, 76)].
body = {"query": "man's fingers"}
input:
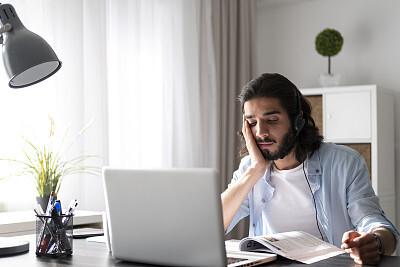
[(348, 250), (246, 133), (355, 242), (246, 129), (363, 250), (348, 236), (365, 259), (362, 240), (362, 247), (354, 257)]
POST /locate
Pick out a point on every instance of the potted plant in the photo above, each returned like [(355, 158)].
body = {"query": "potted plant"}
[(328, 43), (50, 163)]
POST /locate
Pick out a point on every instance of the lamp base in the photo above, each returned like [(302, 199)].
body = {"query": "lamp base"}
[(9, 246)]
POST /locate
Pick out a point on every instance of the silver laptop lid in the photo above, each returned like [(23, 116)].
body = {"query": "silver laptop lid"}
[(165, 216)]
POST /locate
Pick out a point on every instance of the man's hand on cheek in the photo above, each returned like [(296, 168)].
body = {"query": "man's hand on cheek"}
[(256, 156), (362, 247)]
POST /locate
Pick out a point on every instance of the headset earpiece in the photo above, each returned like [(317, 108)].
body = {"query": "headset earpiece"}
[(298, 124), (298, 121)]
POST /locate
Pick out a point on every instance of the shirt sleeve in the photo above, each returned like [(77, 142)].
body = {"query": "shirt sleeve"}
[(244, 209), (363, 205)]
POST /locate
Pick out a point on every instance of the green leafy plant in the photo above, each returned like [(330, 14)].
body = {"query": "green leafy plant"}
[(328, 43), (50, 163)]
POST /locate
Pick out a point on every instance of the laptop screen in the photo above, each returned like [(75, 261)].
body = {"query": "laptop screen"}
[(165, 216)]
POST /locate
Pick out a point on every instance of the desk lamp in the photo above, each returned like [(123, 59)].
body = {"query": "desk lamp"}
[(28, 59)]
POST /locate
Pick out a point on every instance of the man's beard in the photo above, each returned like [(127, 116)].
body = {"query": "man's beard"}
[(285, 146)]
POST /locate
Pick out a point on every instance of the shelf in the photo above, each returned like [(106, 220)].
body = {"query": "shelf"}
[(338, 89), (349, 141)]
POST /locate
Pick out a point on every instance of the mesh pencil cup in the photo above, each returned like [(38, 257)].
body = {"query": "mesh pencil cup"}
[(54, 235)]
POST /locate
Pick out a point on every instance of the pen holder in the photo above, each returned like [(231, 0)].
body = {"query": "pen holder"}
[(54, 235)]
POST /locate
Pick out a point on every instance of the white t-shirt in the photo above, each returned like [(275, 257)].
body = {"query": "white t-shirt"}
[(291, 207)]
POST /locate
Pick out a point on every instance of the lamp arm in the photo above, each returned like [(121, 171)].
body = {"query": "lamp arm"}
[(6, 28)]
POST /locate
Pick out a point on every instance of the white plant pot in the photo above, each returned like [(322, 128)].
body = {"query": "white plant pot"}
[(327, 80)]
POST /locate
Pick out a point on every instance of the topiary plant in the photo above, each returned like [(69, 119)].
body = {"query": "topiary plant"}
[(328, 43)]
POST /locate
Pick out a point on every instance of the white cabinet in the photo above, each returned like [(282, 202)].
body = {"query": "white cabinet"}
[(348, 116), (361, 117)]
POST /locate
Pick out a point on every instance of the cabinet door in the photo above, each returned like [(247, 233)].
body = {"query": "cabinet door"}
[(348, 116)]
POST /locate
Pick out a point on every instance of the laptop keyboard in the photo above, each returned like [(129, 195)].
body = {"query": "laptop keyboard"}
[(232, 260)]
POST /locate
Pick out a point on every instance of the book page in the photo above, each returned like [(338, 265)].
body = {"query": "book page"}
[(294, 245), (232, 245)]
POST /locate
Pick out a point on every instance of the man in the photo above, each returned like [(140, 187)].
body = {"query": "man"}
[(291, 180)]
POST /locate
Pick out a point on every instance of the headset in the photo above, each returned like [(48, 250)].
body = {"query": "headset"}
[(298, 123)]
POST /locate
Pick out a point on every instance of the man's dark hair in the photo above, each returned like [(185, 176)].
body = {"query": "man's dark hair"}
[(274, 85)]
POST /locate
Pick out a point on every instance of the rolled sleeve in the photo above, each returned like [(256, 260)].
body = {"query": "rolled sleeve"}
[(363, 205), (243, 212), (244, 209)]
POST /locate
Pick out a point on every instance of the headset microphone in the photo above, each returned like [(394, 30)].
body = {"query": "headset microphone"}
[(298, 124)]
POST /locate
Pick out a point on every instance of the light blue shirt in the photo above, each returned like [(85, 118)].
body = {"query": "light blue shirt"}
[(344, 197)]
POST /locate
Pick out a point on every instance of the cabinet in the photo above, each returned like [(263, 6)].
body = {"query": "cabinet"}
[(361, 117), (348, 116)]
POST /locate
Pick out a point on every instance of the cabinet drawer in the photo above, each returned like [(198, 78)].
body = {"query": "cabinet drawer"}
[(347, 116)]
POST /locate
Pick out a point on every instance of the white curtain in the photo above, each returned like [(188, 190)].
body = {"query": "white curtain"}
[(73, 96), (143, 69), (161, 84)]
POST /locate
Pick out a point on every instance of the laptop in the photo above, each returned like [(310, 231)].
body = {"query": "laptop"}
[(169, 217)]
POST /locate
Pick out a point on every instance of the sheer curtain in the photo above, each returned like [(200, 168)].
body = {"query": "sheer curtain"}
[(144, 70), (159, 77), (162, 96), (183, 69)]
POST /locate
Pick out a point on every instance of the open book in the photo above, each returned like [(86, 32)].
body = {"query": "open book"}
[(296, 245)]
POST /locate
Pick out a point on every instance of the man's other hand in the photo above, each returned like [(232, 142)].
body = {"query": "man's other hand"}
[(362, 247)]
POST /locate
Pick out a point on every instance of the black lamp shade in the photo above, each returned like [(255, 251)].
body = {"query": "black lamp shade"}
[(28, 58)]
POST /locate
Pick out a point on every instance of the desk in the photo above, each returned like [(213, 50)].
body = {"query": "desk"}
[(96, 254)]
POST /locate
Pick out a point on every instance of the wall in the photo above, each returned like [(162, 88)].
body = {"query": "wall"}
[(370, 55)]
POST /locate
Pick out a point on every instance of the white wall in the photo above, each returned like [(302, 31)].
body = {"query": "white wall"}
[(370, 54)]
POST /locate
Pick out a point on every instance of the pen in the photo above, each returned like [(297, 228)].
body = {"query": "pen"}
[(56, 217), (60, 230), (71, 207), (53, 248), (45, 225), (45, 243), (58, 207), (41, 231), (70, 210), (50, 245), (50, 203)]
